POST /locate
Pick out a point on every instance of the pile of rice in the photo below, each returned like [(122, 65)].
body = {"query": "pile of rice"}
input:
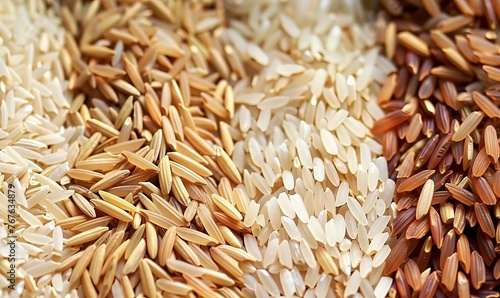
[(441, 137), (156, 208), (321, 199), (194, 148), (36, 146)]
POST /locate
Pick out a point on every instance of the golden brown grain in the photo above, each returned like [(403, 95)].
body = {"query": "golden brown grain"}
[(406, 167), (450, 73), (459, 219), (226, 262), (486, 105), (463, 250), (491, 143), (451, 24), (447, 212), (86, 236), (415, 181), (496, 186), (173, 287), (425, 199), (147, 280), (401, 284), (481, 163), (226, 165), (458, 61), (82, 264), (97, 263), (478, 274), (432, 7), (389, 121), (199, 143), (109, 180), (418, 228), (117, 201), (112, 210), (412, 274), (92, 223), (496, 270), (436, 227), (194, 236), (430, 285), (190, 163), (450, 271), (414, 129), (413, 43), (467, 126), (88, 287), (186, 173), (396, 257), (166, 246), (463, 287), (483, 189), (84, 205), (484, 219), (202, 289), (109, 276)]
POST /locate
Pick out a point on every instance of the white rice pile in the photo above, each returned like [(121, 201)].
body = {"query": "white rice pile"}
[(321, 200), (36, 150)]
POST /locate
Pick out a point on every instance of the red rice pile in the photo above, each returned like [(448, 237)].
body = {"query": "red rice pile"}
[(441, 139)]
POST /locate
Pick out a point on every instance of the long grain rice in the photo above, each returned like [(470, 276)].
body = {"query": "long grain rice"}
[(454, 144), (34, 145), (322, 181), (95, 182)]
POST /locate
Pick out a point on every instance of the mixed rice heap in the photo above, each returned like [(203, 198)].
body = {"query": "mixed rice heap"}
[(237, 148)]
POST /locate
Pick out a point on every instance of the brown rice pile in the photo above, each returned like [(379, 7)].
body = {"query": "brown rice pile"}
[(35, 147), (156, 210), (441, 140), (320, 193)]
